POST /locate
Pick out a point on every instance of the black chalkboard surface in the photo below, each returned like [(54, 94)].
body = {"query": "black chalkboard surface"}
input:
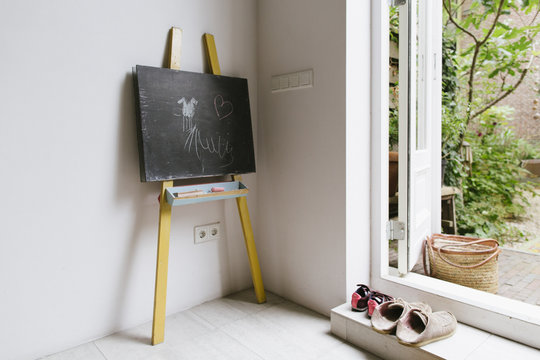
[(192, 124)]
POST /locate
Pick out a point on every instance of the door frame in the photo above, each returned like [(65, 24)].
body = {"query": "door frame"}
[(498, 315)]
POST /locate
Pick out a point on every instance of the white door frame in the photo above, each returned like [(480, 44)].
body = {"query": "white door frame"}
[(498, 315)]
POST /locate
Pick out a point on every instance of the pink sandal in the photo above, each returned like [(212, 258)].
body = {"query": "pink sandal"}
[(364, 299), (377, 299)]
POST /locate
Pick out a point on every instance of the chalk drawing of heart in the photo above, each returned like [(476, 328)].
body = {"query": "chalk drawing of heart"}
[(223, 108)]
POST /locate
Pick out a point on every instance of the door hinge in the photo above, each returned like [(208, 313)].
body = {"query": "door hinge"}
[(397, 2), (395, 230)]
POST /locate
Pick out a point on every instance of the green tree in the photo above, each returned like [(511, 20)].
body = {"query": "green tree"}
[(496, 55), (487, 57), (494, 192)]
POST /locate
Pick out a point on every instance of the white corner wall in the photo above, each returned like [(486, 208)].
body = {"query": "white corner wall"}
[(78, 230), (306, 227), (358, 139)]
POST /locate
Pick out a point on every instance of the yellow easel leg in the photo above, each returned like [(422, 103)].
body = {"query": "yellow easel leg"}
[(255, 268), (160, 295), (241, 202), (164, 234)]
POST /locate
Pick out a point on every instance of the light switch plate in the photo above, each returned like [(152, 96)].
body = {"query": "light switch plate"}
[(292, 81), (305, 78), (275, 83), (283, 82)]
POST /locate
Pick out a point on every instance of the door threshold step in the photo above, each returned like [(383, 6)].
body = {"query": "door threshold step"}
[(467, 343)]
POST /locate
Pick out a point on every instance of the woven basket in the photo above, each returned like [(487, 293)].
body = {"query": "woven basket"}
[(463, 260)]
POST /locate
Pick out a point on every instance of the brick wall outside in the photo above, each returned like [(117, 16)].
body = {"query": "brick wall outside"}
[(526, 119), (525, 99)]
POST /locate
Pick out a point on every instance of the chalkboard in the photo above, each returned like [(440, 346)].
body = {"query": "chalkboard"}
[(192, 124)]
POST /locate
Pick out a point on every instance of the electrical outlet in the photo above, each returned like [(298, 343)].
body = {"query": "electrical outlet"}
[(208, 232), (214, 231), (200, 234)]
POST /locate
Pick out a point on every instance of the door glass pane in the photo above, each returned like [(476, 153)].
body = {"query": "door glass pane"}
[(489, 100), (485, 191)]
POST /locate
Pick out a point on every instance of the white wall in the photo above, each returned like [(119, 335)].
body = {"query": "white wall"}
[(78, 231), (303, 151), (358, 139)]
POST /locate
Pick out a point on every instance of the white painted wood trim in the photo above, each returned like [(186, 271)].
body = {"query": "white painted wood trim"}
[(407, 96), (379, 136), (434, 110)]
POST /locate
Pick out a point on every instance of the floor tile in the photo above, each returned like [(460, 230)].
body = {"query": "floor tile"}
[(159, 353), (266, 339), (134, 344), (213, 345), (184, 326), (218, 312), (129, 344), (232, 328), (246, 301), (311, 329), (87, 351), (295, 316), (347, 351)]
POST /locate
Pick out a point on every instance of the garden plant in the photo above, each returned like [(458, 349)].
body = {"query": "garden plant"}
[(488, 51)]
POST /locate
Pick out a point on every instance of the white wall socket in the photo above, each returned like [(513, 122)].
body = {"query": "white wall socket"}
[(208, 232)]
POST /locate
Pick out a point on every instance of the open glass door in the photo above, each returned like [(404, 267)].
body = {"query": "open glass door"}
[(494, 314), (419, 119)]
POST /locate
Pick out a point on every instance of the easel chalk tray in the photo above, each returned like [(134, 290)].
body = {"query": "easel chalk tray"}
[(192, 194)]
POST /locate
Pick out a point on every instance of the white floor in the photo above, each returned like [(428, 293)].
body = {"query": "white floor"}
[(234, 327)]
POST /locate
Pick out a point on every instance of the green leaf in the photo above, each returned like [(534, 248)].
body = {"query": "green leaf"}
[(493, 73)]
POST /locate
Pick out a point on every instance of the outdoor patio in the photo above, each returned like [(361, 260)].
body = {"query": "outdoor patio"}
[(519, 273)]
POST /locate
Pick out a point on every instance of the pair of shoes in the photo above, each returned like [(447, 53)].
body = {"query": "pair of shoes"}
[(386, 316), (413, 323), (365, 299)]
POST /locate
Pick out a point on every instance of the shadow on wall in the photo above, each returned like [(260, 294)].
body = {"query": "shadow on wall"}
[(131, 195), (127, 184), (140, 199), (144, 205)]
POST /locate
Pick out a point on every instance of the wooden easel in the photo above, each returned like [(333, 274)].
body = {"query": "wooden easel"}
[(165, 209)]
